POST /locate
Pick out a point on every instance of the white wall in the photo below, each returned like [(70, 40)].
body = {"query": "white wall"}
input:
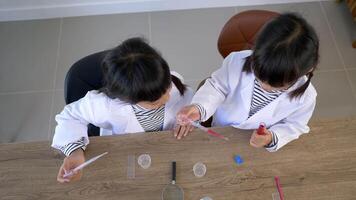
[(42, 9)]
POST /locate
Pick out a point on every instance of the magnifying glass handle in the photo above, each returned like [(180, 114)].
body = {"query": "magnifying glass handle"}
[(174, 172)]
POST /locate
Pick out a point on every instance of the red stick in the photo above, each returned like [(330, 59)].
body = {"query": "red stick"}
[(213, 133), (261, 129), (279, 187), (210, 132)]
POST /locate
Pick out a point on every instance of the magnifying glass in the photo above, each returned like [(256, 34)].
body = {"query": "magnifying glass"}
[(173, 191)]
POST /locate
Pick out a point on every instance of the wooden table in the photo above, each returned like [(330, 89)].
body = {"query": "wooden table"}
[(321, 165)]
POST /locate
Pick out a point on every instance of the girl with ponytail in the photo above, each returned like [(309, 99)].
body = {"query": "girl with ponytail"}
[(270, 84)]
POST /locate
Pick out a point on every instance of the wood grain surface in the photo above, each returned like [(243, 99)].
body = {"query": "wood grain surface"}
[(320, 165)]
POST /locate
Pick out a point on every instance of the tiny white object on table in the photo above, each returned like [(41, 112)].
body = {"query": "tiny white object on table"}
[(144, 160), (199, 169)]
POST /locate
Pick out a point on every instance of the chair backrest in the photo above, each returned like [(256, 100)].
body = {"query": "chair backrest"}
[(239, 33), (83, 76)]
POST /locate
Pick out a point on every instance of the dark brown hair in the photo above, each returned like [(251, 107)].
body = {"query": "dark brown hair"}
[(134, 72), (286, 49)]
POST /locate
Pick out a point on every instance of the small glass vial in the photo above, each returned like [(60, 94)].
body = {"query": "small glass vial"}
[(144, 160), (199, 169)]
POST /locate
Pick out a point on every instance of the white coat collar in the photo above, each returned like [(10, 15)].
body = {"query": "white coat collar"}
[(269, 110), (132, 124)]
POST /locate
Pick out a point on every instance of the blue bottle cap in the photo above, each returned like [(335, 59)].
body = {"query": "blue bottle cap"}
[(238, 159)]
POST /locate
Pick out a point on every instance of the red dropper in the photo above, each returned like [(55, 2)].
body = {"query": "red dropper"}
[(261, 129)]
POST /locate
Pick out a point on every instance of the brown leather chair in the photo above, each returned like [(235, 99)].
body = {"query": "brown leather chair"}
[(239, 33)]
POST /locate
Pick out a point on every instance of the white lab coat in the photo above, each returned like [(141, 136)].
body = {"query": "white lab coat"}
[(227, 95), (113, 116)]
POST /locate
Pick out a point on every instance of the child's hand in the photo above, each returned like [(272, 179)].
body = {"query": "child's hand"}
[(73, 160), (184, 116), (260, 140), (182, 131)]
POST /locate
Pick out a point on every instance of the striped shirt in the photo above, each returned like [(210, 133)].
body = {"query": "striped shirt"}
[(273, 142), (69, 148), (150, 119), (201, 109), (261, 98)]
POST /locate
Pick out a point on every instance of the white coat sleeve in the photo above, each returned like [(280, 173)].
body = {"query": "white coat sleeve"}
[(73, 120), (293, 126), (215, 89)]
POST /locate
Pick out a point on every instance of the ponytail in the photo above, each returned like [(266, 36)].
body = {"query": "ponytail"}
[(179, 85), (300, 91)]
